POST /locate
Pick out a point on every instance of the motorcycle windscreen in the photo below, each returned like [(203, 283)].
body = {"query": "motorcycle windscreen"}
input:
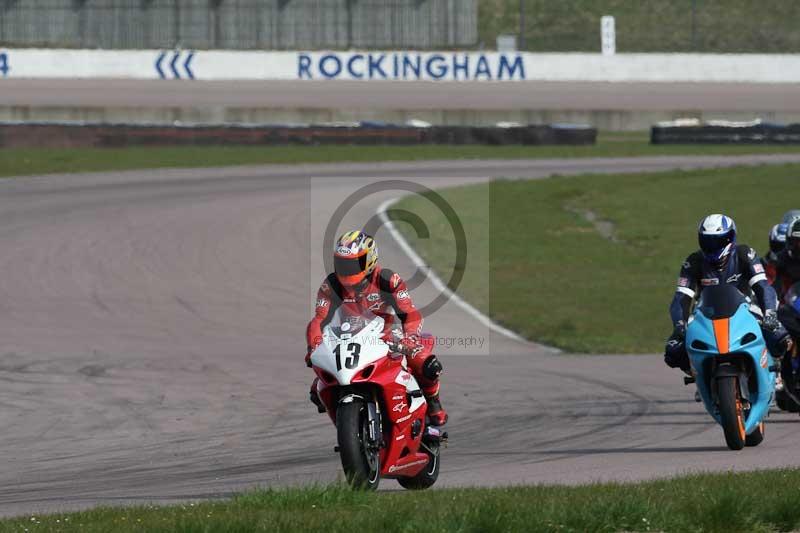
[(720, 301), (349, 321), (352, 340)]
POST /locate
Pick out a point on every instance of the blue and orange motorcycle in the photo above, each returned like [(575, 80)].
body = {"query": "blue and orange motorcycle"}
[(733, 369)]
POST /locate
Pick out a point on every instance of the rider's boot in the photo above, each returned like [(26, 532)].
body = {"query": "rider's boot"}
[(779, 385), (314, 397), (436, 413)]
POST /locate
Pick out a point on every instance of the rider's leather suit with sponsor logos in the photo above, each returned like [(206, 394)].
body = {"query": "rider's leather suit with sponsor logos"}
[(384, 293), (743, 269)]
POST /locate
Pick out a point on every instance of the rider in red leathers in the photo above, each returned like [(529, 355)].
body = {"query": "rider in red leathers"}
[(359, 283)]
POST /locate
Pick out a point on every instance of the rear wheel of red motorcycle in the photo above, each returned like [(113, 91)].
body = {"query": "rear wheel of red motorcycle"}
[(361, 463), (428, 476)]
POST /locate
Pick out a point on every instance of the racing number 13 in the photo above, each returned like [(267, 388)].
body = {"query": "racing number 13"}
[(351, 361)]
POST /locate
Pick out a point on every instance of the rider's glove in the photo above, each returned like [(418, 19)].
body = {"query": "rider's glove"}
[(675, 355), (778, 339), (316, 342), (771, 322), (410, 345), (309, 351)]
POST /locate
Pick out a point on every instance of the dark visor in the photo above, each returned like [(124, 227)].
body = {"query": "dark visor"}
[(349, 266), (714, 243)]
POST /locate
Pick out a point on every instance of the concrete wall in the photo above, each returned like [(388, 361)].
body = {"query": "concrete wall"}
[(232, 65), (239, 24), (398, 65)]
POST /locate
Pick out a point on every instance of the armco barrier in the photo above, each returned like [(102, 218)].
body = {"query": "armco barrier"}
[(15, 135), (756, 133)]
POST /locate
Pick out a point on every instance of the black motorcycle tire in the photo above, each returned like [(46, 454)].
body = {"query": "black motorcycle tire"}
[(361, 465), (785, 403), (731, 412)]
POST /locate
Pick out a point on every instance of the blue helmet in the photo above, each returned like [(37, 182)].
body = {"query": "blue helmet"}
[(789, 216), (777, 237), (716, 235)]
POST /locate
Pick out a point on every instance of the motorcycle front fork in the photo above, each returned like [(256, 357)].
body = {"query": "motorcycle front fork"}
[(375, 426)]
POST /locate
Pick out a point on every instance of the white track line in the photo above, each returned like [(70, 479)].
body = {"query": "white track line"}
[(436, 281)]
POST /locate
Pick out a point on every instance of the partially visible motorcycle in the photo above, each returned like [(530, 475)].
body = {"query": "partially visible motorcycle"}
[(377, 406), (731, 364), (788, 399)]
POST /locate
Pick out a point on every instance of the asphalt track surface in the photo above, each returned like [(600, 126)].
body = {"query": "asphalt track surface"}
[(633, 96), (151, 343)]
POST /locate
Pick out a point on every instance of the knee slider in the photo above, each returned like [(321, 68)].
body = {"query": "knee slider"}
[(432, 368)]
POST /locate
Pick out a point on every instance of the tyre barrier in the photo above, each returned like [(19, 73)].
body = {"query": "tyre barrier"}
[(723, 132), (81, 134)]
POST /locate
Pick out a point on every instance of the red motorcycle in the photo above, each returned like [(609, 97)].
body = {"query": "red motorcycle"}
[(376, 404)]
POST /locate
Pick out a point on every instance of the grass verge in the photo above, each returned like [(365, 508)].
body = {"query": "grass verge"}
[(597, 287), (19, 162), (746, 502)]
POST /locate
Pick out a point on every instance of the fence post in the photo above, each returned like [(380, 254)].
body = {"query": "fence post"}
[(177, 24), (349, 10), (608, 35), (216, 29), (80, 6), (277, 24)]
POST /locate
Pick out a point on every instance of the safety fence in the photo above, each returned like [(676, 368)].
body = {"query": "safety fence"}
[(239, 24)]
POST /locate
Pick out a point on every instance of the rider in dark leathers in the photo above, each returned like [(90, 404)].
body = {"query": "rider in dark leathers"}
[(777, 242), (720, 260), (787, 273)]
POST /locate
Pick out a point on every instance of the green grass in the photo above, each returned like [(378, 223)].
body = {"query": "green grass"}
[(721, 26), (749, 502), (18, 162), (539, 267)]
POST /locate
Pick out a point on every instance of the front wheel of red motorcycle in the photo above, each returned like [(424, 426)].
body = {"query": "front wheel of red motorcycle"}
[(360, 460)]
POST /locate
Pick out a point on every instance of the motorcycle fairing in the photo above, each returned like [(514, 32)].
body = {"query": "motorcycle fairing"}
[(369, 351), (402, 405), (734, 336)]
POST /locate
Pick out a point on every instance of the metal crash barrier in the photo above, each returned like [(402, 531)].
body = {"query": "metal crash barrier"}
[(82, 134), (692, 131)]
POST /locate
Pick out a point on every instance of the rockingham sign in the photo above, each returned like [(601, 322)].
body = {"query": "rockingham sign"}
[(371, 66), (245, 65), (397, 66)]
